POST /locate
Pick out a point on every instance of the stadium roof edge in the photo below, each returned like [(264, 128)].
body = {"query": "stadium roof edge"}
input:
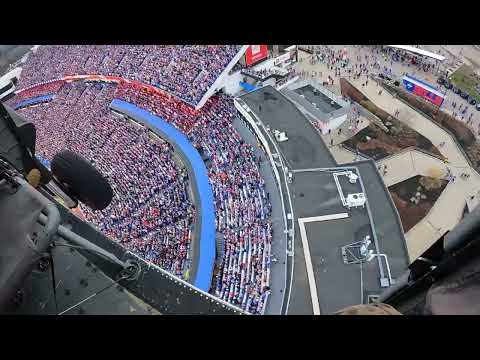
[(418, 51)]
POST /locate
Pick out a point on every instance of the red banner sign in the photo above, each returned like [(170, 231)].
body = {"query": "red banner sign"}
[(255, 53)]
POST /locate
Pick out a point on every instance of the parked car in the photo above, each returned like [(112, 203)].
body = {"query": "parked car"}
[(441, 80), (456, 90), (471, 100), (478, 107), (464, 94), (448, 85)]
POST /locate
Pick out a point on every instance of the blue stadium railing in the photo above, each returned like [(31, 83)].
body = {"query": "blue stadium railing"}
[(33, 101)]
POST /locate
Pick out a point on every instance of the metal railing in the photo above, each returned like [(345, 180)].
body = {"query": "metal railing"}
[(412, 149)]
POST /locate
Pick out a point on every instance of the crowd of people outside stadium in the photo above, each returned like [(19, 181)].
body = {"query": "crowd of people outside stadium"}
[(379, 60), (362, 62)]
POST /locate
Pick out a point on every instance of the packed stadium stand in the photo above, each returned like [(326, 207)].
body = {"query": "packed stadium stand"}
[(240, 199), (39, 90), (186, 71), (152, 213)]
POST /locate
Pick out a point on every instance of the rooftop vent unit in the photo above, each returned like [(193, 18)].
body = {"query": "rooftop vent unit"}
[(356, 200), (280, 136)]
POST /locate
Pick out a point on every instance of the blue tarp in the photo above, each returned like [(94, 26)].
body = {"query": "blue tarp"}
[(206, 260), (248, 87), (33, 101)]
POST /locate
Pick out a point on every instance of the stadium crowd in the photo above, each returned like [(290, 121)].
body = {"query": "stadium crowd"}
[(187, 71), (241, 202), (151, 213), (41, 89)]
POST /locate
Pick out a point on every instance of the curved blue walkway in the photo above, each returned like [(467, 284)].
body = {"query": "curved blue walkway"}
[(206, 259)]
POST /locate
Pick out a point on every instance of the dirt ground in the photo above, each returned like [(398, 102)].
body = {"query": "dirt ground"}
[(376, 143), (411, 214)]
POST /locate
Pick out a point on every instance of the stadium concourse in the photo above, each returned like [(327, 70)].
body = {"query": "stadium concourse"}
[(153, 212)]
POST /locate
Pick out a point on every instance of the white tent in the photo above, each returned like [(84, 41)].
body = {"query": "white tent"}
[(419, 51)]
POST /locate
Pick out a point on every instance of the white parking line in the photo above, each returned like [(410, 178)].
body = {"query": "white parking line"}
[(308, 260)]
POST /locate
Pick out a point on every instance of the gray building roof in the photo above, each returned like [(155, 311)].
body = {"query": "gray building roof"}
[(314, 193), (316, 100)]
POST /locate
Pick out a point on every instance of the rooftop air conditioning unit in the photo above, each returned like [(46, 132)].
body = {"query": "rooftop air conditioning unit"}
[(352, 178), (356, 200)]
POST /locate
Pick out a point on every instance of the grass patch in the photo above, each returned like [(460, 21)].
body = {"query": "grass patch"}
[(466, 79)]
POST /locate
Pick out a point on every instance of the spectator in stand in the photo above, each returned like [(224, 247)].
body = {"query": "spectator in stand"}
[(151, 213), (186, 71), (242, 208)]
